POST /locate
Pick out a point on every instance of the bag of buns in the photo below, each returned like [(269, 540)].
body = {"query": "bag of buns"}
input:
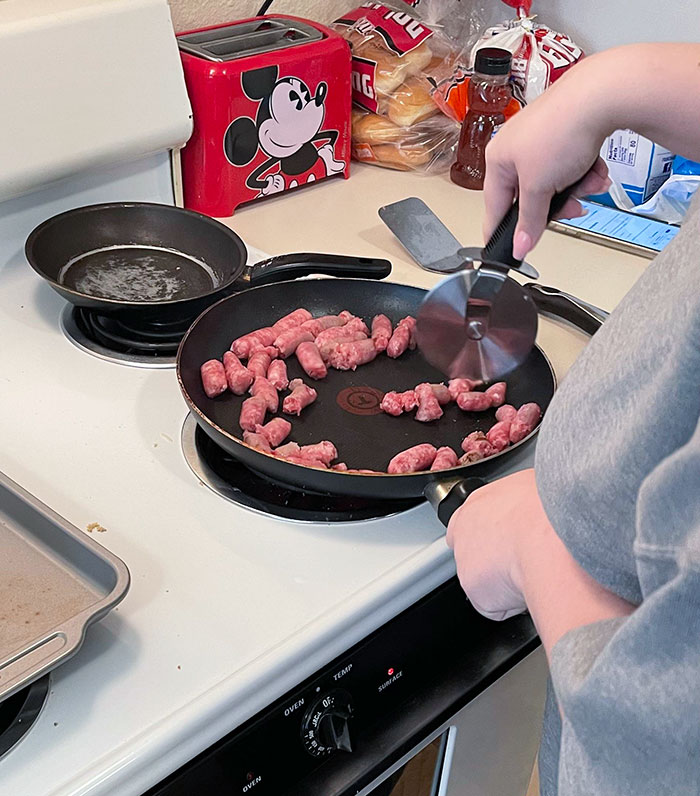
[(397, 62), (427, 145)]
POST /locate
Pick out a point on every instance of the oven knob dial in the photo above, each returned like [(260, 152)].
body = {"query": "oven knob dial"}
[(326, 724)]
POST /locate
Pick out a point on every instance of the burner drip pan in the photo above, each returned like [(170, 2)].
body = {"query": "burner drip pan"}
[(19, 712), (231, 479), (152, 345)]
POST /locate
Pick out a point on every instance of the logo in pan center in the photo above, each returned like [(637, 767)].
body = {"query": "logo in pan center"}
[(361, 400)]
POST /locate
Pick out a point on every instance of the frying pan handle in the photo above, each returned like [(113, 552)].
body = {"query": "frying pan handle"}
[(499, 248), (291, 266), (447, 496), (551, 301)]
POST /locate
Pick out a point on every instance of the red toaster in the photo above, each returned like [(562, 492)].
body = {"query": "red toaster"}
[(271, 101)]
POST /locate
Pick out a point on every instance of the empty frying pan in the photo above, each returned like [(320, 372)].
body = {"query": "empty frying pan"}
[(151, 262)]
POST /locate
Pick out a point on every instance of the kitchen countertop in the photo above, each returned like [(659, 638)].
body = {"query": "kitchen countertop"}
[(340, 216)]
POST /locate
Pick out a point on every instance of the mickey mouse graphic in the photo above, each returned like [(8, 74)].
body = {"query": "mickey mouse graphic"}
[(287, 127)]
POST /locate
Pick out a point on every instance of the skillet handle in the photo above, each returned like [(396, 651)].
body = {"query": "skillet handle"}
[(291, 266), (447, 496), (562, 305)]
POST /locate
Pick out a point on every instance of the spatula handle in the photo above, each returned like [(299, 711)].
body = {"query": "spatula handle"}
[(500, 245)]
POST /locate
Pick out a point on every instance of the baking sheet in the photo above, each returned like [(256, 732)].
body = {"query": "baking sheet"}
[(54, 582)]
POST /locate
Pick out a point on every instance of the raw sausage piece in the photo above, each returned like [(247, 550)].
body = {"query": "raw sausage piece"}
[(340, 467), (355, 324), (444, 458), (476, 446), (324, 451), (238, 377), (506, 412), (441, 393), (428, 406), (252, 413), (499, 434), (289, 448), (381, 332), (396, 403), (301, 395), (456, 386), (497, 393), (326, 347), (527, 418), (392, 404), (317, 325), (277, 374), (403, 337), (338, 334), (275, 431), (288, 341), (264, 389), (348, 356), (473, 401), (258, 441), (419, 457), (410, 400), (241, 345), (306, 461), (213, 378), (291, 320), (311, 361), (259, 362)]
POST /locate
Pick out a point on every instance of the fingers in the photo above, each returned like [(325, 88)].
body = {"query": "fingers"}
[(500, 189), (571, 209), (532, 220)]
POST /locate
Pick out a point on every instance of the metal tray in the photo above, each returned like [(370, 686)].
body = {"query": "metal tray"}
[(54, 582)]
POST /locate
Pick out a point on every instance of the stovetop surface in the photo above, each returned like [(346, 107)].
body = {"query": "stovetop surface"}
[(228, 608)]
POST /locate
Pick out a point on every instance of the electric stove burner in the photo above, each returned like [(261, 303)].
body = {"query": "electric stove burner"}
[(19, 712), (231, 479), (152, 345)]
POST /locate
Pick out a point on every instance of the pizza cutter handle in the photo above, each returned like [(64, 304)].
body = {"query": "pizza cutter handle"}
[(500, 245)]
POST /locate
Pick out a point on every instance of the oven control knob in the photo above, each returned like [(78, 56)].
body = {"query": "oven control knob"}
[(326, 724)]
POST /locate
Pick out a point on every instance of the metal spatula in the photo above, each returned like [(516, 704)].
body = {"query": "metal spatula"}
[(478, 323), (432, 245)]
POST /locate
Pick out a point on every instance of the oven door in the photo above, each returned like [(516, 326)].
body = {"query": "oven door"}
[(487, 748)]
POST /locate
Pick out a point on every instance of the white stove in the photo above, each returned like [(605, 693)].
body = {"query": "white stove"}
[(228, 608)]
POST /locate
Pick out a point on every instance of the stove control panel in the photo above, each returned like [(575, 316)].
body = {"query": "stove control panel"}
[(326, 725), (335, 723)]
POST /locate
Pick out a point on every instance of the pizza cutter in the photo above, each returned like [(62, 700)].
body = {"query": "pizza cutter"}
[(478, 323)]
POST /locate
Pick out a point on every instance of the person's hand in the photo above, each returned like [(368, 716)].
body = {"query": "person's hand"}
[(488, 534), (548, 146)]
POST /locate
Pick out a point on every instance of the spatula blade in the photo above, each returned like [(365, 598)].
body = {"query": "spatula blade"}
[(423, 235)]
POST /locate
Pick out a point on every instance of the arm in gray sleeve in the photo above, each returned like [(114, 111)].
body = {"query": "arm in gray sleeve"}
[(629, 689)]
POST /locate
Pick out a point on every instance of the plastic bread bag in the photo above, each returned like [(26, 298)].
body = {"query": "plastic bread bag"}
[(671, 200), (398, 59), (540, 55), (427, 146)]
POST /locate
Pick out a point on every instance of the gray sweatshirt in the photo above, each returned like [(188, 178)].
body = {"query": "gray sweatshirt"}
[(618, 471)]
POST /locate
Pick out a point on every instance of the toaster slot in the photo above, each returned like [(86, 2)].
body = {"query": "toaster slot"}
[(248, 38)]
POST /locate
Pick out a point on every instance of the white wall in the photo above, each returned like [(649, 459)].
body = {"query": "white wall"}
[(593, 24), (189, 14), (597, 24)]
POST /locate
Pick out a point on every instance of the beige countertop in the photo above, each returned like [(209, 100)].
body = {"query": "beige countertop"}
[(340, 216)]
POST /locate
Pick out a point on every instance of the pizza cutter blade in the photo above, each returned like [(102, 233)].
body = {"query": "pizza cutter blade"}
[(477, 324)]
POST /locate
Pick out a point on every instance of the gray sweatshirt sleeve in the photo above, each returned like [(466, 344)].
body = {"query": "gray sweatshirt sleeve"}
[(629, 689)]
